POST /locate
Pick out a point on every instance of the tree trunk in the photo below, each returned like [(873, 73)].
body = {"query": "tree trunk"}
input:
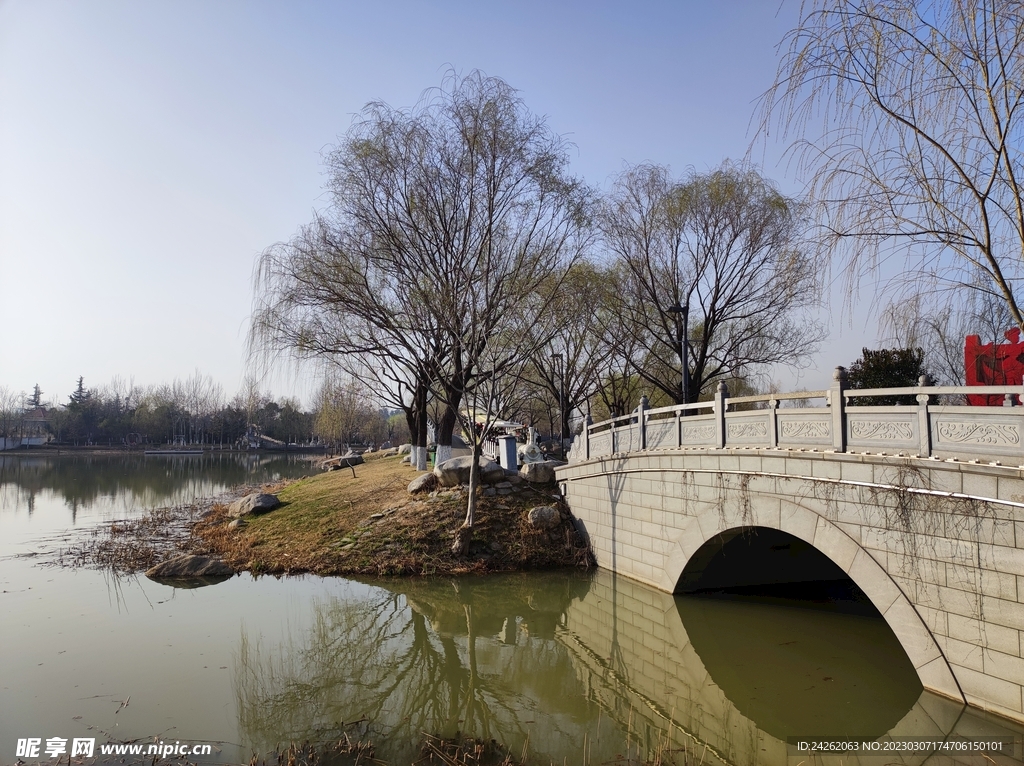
[(416, 419), (464, 534), (420, 450), (412, 422), (443, 453), (445, 429)]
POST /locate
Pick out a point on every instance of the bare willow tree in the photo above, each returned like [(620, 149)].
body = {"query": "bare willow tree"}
[(339, 406), (199, 397), (725, 245), (568, 368), (467, 197), (444, 219), (465, 202), (619, 385), (908, 122), (335, 294), (476, 204)]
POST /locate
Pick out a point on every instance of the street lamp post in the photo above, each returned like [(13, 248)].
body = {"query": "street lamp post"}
[(559, 370), (684, 347)]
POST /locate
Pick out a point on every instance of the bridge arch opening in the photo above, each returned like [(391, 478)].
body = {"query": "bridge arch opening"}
[(791, 639), (761, 562)]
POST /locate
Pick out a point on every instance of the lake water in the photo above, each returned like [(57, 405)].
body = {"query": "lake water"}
[(566, 667)]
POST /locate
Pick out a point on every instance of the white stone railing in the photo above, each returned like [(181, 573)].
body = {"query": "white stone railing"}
[(839, 423), (489, 448)]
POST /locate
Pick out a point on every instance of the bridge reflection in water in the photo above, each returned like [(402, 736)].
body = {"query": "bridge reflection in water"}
[(591, 670)]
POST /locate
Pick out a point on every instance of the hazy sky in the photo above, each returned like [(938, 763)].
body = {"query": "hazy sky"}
[(149, 151)]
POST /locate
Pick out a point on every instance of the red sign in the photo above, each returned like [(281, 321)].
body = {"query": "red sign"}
[(991, 364)]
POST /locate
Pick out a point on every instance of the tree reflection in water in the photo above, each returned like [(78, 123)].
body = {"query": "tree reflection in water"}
[(473, 655), (134, 481)]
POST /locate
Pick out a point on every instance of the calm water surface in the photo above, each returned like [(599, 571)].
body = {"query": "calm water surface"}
[(572, 669)]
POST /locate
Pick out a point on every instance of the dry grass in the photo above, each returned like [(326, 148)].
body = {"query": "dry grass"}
[(336, 524), (463, 751), (131, 545), (351, 749), (127, 546), (459, 750)]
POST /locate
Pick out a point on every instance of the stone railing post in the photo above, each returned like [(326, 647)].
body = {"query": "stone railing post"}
[(837, 403), (641, 420), (586, 437), (679, 428), (721, 396), (922, 417)]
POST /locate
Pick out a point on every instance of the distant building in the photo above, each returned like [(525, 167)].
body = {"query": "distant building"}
[(32, 430), (35, 423)]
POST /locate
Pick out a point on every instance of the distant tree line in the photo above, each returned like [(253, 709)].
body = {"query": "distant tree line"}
[(190, 411)]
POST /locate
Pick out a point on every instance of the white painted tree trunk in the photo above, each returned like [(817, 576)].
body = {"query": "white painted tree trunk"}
[(420, 458), (444, 452)]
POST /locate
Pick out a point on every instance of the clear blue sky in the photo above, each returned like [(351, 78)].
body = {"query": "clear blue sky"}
[(149, 151)]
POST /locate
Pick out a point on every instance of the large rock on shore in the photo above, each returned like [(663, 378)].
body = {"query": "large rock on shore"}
[(453, 472), (187, 567), (425, 482), (345, 461), (544, 517), (253, 505), (540, 473)]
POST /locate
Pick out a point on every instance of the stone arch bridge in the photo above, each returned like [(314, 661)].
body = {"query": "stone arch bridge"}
[(921, 504)]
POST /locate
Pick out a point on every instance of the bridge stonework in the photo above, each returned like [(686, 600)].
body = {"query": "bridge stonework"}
[(936, 544)]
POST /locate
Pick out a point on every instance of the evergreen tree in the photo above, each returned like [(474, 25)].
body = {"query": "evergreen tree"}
[(82, 414), (81, 394), (888, 368), (36, 399)]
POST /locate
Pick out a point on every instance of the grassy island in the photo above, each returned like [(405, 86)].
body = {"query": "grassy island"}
[(337, 524)]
